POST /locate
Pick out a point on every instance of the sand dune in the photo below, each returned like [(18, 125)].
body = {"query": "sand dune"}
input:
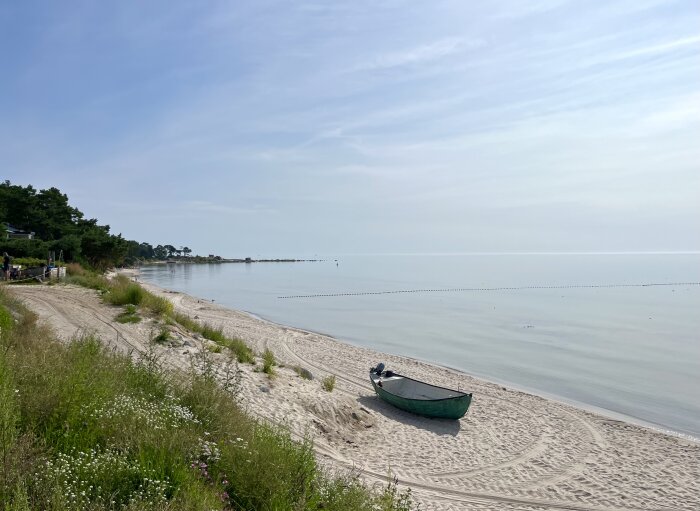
[(512, 450)]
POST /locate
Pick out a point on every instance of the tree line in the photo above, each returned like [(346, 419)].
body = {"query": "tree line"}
[(58, 226)]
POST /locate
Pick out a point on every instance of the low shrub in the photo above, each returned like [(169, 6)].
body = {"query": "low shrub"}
[(28, 262), (130, 315), (189, 323), (328, 383), (123, 291), (242, 351), (269, 362), (89, 280), (157, 305), (75, 269), (162, 337)]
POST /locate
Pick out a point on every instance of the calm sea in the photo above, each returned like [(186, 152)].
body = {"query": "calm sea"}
[(633, 351)]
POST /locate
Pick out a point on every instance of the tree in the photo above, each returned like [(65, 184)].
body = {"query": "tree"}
[(60, 227), (101, 249), (17, 205), (146, 251), (69, 245), (187, 251), (53, 216), (160, 252)]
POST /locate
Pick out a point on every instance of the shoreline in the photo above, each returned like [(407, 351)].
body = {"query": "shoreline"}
[(512, 450), (587, 407)]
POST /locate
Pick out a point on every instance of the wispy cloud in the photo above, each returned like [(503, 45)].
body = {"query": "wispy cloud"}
[(422, 54), (372, 118)]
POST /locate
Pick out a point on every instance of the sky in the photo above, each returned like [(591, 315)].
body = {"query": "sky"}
[(291, 129)]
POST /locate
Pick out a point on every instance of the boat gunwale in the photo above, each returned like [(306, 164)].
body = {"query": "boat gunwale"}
[(374, 384)]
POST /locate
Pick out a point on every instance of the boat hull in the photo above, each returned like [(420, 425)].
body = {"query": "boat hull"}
[(447, 408)]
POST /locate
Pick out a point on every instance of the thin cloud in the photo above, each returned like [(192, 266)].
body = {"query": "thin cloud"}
[(421, 54)]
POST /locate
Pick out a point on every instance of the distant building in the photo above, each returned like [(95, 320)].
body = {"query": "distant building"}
[(13, 233)]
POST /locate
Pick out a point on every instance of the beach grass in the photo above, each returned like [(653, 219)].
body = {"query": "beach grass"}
[(328, 383), (269, 362), (122, 291), (129, 315), (156, 304), (162, 336), (239, 348), (83, 427), (79, 276)]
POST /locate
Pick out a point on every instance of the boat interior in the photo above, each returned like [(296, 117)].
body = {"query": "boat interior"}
[(412, 389)]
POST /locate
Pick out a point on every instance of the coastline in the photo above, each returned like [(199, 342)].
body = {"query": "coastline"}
[(513, 449), (610, 414)]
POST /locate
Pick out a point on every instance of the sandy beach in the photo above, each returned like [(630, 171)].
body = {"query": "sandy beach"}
[(513, 450)]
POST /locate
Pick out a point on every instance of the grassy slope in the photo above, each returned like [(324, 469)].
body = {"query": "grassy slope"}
[(84, 428)]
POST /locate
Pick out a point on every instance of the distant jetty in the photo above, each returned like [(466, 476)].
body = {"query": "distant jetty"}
[(219, 260), (251, 260)]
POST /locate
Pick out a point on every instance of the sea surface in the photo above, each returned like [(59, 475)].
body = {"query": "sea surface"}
[(628, 350)]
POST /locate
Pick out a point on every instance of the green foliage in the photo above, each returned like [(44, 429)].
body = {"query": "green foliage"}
[(157, 305), (162, 337), (160, 252), (328, 383), (269, 362), (189, 323), (122, 291), (59, 227), (130, 315), (25, 248), (88, 279), (242, 351), (99, 248), (6, 322), (75, 270), (27, 262), (82, 427)]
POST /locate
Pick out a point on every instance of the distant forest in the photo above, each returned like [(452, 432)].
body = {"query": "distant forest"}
[(57, 226)]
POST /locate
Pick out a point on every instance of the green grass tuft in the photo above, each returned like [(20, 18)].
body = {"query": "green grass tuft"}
[(89, 280), (328, 383), (162, 337), (130, 315), (157, 305), (269, 362), (239, 348), (122, 291)]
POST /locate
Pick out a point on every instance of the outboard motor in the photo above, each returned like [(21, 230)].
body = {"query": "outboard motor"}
[(379, 368)]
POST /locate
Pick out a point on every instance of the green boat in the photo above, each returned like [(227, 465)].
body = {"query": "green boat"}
[(418, 397)]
